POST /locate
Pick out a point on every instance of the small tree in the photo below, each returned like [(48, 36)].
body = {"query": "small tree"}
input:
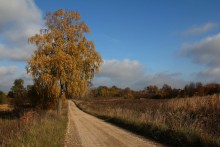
[(3, 98), (190, 89), (153, 91), (127, 93), (166, 91), (65, 60), (19, 92)]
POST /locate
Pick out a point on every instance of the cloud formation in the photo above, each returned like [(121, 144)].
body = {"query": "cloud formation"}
[(18, 20), (206, 52), (7, 76), (161, 78), (196, 30), (130, 73), (120, 73), (8, 70)]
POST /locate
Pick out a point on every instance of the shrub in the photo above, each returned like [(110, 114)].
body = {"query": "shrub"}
[(3, 98)]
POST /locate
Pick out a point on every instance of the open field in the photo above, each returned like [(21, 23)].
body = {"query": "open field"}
[(179, 122), (34, 128)]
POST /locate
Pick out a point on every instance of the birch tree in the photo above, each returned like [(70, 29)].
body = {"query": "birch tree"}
[(65, 60)]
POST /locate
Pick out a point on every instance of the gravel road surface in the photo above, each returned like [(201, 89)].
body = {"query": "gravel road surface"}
[(85, 130)]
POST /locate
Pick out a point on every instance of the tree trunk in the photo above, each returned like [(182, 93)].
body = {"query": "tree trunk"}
[(59, 105)]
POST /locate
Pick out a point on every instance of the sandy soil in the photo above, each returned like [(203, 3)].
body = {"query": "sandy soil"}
[(87, 131)]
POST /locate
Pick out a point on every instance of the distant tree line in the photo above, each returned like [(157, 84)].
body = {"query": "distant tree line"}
[(35, 96), (104, 91), (152, 91)]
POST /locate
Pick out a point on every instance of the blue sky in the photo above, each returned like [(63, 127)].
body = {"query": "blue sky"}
[(142, 42)]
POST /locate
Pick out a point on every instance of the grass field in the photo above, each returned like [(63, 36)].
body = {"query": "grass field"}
[(178, 122), (41, 128)]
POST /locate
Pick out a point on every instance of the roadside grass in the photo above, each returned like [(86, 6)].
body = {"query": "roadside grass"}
[(45, 129), (176, 122)]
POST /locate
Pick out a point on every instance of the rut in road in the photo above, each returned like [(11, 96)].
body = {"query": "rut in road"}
[(85, 130)]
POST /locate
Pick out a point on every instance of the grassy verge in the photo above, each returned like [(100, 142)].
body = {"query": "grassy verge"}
[(47, 129), (181, 122)]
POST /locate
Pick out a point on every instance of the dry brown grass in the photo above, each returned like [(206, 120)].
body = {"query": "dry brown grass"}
[(6, 107), (34, 128), (197, 115)]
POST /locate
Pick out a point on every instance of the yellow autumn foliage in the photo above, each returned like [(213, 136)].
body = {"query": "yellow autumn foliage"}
[(65, 60)]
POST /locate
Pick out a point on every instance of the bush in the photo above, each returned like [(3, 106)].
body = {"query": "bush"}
[(3, 98)]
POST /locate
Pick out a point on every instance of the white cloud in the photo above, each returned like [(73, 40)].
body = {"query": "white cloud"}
[(20, 53), (8, 70), (161, 78), (211, 74), (19, 20), (121, 73), (206, 52), (123, 70), (7, 76), (196, 30), (130, 73)]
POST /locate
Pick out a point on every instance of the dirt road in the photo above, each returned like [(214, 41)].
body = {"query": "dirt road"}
[(87, 131)]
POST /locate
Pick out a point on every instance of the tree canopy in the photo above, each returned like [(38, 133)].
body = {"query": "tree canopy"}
[(18, 89), (18, 93), (65, 60)]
